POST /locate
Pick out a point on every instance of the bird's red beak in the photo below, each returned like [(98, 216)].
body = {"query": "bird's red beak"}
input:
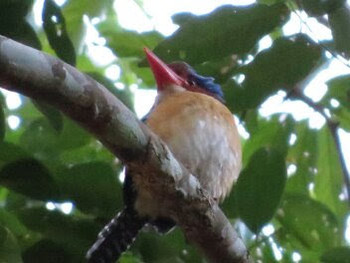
[(163, 74)]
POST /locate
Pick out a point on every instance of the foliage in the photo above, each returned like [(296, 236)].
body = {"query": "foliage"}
[(48, 159)]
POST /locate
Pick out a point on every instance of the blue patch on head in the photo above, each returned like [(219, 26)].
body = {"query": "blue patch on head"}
[(208, 84)]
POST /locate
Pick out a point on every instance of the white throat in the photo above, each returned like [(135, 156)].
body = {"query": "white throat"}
[(168, 90)]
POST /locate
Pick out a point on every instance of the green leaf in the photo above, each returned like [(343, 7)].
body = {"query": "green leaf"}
[(93, 187), (46, 251), (170, 248), (10, 152), (339, 89), (3, 194), (11, 222), (337, 255), (93, 151), (343, 116), (128, 257), (75, 10), (2, 121), (274, 133), (53, 115), (260, 187), (73, 136), (44, 142), (86, 64), (221, 69), (40, 139), (18, 8), (182, 18), (8, 219), (270, 2), (310, 227), (16, 201), (329, 177), (339, 22), (27, 111), (74, 234), (145, 74), (287, 62), (19, 29), (9, 249), (227, 30), (55, 28), (263, 252), (129, 43), (229, 206), (304, 156), (318, 8), (29, 177), (126, 43), (13, 22)]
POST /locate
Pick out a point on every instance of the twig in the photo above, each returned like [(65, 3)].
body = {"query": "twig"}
[(333, 127)]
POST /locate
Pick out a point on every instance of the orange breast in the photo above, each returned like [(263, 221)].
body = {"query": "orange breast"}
[(202, 134)]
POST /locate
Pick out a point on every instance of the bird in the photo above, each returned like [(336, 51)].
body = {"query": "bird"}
[(190, 116)]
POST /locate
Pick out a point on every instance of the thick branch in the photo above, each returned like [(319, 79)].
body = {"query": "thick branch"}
[(43, 77), (333, 127)]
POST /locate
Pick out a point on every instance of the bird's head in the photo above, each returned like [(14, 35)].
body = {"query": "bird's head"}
[(179, 75)]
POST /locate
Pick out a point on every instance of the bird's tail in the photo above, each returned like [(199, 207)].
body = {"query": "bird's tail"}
[(116, 237)]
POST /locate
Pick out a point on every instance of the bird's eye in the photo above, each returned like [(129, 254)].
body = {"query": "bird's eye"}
[(191, 83)]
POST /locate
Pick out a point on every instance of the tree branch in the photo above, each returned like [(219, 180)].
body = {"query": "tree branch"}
[(40, 76), (333, 127)]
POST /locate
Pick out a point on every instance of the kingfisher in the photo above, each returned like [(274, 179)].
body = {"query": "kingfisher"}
[(190, 116)]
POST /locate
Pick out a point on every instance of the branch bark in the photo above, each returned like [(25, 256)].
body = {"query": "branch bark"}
[(40, 76)]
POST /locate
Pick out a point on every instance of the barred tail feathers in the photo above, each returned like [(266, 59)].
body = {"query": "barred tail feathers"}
[(115, 237)]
